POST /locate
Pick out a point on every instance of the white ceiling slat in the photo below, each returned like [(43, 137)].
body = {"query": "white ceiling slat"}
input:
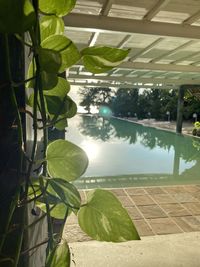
[(170, 53), (161, 67), (93, 38), (146, 49), (155, 9), (124, 41), (130, 26), (136, 79), (192, 18), (123, 85), (160, 34), (106, 7), (185, 57)]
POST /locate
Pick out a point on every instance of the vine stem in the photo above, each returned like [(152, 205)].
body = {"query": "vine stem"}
[(19, 169), (44, 122)]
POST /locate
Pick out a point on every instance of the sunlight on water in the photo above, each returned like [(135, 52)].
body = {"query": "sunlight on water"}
[(91, 149)]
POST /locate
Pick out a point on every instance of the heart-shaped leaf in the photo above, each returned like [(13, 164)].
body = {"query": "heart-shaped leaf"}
[(65, 160), (67, 49), (66, 192), (59, 8), (101, 59), (50, 60), (50, 25), (103, 218), (60, 256)]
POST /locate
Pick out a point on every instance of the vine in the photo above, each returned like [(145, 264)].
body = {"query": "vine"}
[(38, 25)]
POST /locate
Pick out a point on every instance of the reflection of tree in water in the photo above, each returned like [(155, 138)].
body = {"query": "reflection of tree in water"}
[(96, 127), (185, 147)]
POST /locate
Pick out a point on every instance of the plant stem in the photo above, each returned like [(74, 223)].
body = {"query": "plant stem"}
[(44, 122), (19, 168)]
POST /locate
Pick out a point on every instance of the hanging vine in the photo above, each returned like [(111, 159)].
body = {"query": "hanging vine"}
[(46, 180)]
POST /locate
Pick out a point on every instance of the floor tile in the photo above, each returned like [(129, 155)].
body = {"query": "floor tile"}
[(126, 202), (184, 197), (118, 192), (134, 213), (174, 189), (135, 191), (192, 189), (154, 190), (163, 226), (72, 219), (188, 223), (73, 233), (174, 209), (163, 198), (142, 200), (152, 211), (194, 208), (143, 228)]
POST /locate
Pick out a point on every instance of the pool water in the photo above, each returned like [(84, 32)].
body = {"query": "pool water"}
[(123, 153)]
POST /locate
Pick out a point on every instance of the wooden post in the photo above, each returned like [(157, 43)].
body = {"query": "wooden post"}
[(179, 120)]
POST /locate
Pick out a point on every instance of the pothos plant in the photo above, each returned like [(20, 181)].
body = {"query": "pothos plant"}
[(38, 24)]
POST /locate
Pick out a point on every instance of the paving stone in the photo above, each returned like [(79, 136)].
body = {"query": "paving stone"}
[(163, 226), (73, 233), (143, 228), (192, 188), (174, 189), (154, 190), (194, 208), (188, 223), (152, 211), (142, 200), (72, 219), (118, 192), (163, 198), (126, 202), (184, 197), (174, 209), (135, 191), (134, 213)]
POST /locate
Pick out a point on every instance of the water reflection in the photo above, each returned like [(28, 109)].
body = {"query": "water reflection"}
[(144, 150)]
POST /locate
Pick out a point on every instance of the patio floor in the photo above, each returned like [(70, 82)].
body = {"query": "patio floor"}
[(154, 210)]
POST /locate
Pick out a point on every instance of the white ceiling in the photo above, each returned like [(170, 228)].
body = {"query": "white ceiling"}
[(164, 37)]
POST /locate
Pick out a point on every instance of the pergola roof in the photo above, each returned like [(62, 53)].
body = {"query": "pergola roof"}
[(164, 37)]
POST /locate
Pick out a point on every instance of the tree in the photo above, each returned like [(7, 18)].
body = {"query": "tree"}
[(87, 98), (125, 102), (95, 96)]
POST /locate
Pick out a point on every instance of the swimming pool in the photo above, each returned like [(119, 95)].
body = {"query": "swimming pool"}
[(123, 153)]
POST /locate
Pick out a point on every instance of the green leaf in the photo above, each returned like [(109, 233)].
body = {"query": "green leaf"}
[(61, 123), (50, 25), (69, 52), (65, 160), (57, 212), (59, 8), (57, 106), (102, 58), (60, 256), (61, 89), (16, 16), (66, 192), (103, 218), (50, 60), (49, 80)]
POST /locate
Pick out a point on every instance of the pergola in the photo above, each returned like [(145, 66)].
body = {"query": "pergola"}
[(163, 35)]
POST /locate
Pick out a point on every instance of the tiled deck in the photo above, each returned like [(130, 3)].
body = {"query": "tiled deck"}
[(154, 210)]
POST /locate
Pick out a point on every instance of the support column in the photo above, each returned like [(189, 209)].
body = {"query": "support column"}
[(179, 120)]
